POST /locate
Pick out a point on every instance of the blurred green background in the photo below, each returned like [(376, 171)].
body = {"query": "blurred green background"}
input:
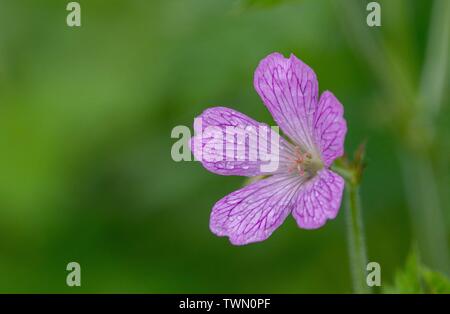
[(86, 114)]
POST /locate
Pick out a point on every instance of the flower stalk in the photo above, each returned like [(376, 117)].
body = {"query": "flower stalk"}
[(352, 172), (356, 240)]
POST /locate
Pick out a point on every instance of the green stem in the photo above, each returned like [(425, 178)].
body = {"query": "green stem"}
[(355, 228), (421, 180), (426, 212), (433, 80), (356, 240)]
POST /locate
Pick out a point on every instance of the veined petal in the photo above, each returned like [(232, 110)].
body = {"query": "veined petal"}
[(318, 200), (228, 142), (289, 89), (330, 128), (252, 213)]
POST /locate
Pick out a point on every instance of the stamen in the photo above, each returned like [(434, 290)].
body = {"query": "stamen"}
[(305, 163)]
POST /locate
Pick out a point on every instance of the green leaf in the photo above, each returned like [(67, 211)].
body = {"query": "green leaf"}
[(408, 280), (417, 278), (435, 282)]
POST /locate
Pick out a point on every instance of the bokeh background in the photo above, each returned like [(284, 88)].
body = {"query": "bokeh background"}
[(86, 115)]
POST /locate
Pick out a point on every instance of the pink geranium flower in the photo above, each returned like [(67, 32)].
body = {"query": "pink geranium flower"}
[(302, 184)]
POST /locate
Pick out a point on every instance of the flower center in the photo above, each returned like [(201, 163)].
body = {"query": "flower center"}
[(305, 163)]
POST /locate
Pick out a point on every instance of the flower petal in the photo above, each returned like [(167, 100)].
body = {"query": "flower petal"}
[(230, 143), (319, 200), (252, 213), (330, 127), (289, 89)]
